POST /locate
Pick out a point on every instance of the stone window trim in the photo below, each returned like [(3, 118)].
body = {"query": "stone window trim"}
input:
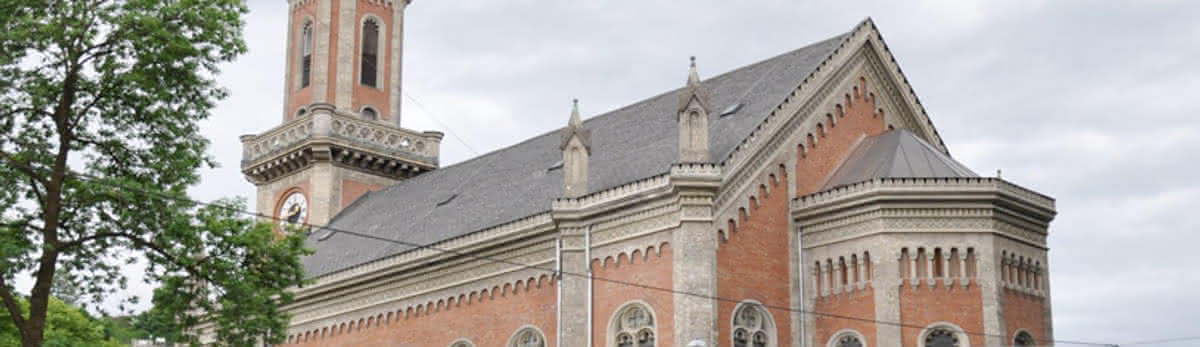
[(515, 339), (1017, 336), (963, 341), (837, 336), (462, 342), (380, 52), (306, 34), (767, 326), (614, 328)]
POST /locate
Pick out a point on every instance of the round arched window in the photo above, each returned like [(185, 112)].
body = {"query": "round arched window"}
[(369, 113), (633, 326), (849, 341), (528, 337), (1023, 339), (752, 327), (941, 337)]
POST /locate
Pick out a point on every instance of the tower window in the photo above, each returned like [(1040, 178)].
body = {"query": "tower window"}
[(306, 37), (370, 52), (369, 113), (1023, 339)]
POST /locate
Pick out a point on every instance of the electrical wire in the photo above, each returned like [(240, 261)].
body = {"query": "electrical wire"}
[(523, 266)]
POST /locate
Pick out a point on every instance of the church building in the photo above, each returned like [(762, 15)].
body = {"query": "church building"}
[(803, 200)]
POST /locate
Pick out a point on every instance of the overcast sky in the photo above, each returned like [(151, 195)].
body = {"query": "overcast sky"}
[(1092, 103)]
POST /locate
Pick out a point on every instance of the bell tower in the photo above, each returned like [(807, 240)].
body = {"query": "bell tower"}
[(340, 135)]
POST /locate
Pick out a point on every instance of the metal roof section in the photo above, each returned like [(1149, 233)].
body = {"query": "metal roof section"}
[(628, 144), (894, 154)]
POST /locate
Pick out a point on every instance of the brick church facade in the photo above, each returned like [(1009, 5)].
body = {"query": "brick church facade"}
[(804, 200)]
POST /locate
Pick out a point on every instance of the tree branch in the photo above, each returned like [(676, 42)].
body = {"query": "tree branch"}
[(14, 309), (23, 167), (140, 242)]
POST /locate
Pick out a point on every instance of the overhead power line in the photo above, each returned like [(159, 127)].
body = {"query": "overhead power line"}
[(559, 272)]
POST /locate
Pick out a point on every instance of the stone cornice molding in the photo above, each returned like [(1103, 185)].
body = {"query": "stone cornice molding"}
[(371, 145), (928, 189), (962, 205), (391, 265), (293, 4)]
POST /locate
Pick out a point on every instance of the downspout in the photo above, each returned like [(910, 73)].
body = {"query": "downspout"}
[(558, 288), (587, 254)]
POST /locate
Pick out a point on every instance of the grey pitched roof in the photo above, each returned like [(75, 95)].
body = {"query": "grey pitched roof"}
[(896, 153), (631, 143)]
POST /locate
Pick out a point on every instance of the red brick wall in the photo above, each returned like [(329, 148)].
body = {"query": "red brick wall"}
[(923, 306), (486, 322), (649, 266), (753, 263), (855, 117), (351, 190), (859, 304), (1023, 311)]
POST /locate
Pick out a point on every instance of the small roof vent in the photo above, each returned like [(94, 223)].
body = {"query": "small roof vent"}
[(448, 200), (731, 109), (326, 233), (556, 166)]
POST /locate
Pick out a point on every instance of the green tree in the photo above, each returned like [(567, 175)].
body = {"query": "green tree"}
[(65, 326), (99, 108)]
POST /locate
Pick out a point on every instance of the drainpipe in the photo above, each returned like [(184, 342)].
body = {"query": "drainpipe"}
[(587, 255), (558, 288)]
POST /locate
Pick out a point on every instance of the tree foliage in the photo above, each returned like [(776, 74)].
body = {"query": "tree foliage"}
[(99, 108), (65, 326)]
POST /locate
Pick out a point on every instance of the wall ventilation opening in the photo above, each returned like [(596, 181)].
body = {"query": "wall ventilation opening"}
[(731, 109)]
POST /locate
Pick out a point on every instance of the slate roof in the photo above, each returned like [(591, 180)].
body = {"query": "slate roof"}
[(894, 154), (631, 143)]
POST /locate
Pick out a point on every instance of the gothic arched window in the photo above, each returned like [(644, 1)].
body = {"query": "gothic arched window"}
[(369, 113), (1023, 339), (370, 52), (306, 49), (752, 326), (527, 337), (633, 326)]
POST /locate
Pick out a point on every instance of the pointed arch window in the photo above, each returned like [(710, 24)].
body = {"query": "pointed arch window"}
[(633, 326), (306, 49), (753, 327), (370, 52)]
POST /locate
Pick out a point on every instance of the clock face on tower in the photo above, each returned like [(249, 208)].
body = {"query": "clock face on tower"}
[(294, 209)]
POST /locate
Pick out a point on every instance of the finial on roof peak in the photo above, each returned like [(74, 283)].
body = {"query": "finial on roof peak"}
[(574, 121), (693, 76)]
